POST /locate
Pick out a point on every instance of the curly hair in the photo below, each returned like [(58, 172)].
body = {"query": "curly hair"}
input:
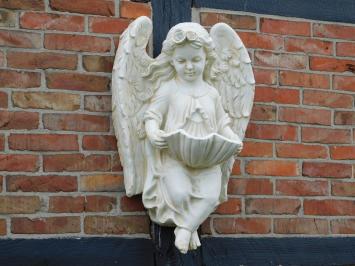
[(161, 69)]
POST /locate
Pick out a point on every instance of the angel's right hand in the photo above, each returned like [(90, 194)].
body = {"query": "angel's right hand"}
[(157, 140)]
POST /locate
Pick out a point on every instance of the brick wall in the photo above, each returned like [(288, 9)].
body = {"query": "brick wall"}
[(59, 168)]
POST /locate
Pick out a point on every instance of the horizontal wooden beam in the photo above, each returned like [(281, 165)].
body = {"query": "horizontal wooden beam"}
[(326, 10)]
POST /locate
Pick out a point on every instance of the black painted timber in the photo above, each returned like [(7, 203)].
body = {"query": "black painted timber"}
[(167, 13), (327, 10), (324, 251)]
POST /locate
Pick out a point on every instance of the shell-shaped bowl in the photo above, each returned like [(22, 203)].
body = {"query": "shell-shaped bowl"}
[(198, 152)]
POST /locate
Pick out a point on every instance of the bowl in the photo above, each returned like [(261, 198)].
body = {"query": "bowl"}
[(197, 152)]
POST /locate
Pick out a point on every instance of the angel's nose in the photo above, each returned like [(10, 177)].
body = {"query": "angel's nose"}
[(188, 65)]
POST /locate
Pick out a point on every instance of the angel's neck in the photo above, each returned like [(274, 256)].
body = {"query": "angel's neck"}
[(193, 85)]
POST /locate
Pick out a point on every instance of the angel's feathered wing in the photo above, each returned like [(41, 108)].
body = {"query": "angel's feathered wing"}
[(235, 83), (129, 95)]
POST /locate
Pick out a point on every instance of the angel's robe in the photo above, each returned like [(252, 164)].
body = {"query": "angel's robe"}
[(173, 193)]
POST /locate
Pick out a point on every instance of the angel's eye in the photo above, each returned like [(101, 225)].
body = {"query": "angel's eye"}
[(196, 59), (180, 60)]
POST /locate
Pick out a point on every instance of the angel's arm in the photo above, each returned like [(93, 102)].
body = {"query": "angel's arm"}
[(154, 117)]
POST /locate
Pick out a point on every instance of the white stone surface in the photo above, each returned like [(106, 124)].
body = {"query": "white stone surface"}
[(180, 119)]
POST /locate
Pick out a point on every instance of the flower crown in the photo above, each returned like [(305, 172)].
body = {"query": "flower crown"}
[(180, 36)]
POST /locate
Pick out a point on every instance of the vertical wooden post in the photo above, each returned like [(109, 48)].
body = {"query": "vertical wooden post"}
[(166, 14), (165, 252)]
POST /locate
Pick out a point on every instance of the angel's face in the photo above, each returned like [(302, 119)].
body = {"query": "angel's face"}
[(189, 62)]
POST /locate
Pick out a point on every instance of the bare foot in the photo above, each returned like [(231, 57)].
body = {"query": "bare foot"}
[(194, 241), (182, 239)]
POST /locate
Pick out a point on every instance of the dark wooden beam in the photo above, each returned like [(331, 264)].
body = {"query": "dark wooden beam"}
[(167, 13), (315, 251), (327, 10)]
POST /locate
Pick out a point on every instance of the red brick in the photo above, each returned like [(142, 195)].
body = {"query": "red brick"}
[(256, 149), (19, 162), (97, 203), (285, 27), (249, 186), (46, 100), (2, 144), (44, 183), (305, 116), (334, 31), (206, 227), (272, 168), (288, 150), (345, 49), (134, 10), (332, 170), (45, 225), (269, 59), (327, 99), (116, 225), (329, 207), (100, 143), (276, 95), (346, 83), (2, 56), (76, 122), (20, 39), (29, 60), (19, 79), (263, 113), (23, 4), (8, 18), (2, 227), (79, 43), (311, 46), (45, 21), (265, 76), (233, 20), (78, 82), (299, 79), (300, 226), (231, 206), (242, 225), (18, 120), (261, 41), (96, 63), (326, 135), (76, 162), (43, 142), (96, 7), (98, 103), (343, 226), (272, 206), (345, 189), (342, 152), (331, 64), (101, 183), (108, 25), (273, 132), (301, 188), (116, 163), (66, 204), (131, 204), (19, 204), (236, 168), (344, 118), (3, 100)]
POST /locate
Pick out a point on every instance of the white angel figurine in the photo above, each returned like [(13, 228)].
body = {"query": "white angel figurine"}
[(180, 119)]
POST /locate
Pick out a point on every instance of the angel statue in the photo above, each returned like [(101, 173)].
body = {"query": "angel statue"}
[(180, 120)]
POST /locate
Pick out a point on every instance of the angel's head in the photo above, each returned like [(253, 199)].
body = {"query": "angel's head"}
[(188, 52)]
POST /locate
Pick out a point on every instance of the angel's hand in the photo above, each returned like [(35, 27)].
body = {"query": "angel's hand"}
[(157, 140)]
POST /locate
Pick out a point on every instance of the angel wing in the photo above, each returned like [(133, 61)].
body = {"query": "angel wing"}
[(130, 91), (235, 83)]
